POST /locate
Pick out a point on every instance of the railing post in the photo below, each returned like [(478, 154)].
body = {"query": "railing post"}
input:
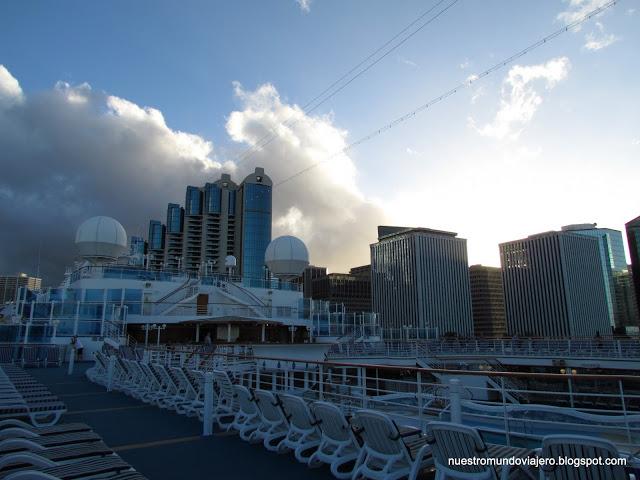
[(624, 410), (27, 327), (570, 384), (207, 420), (257, 374), (454, 401), (110, 372), (273, 380), (72, 359), (363, 386), (320, 382), (418, 396), (76, 319)]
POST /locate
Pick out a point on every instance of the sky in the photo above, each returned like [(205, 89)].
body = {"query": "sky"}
[(112, 108)]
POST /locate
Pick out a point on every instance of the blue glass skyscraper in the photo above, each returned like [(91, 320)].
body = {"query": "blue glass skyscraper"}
[(255, 194)]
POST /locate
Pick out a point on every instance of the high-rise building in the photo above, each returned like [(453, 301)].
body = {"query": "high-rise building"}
[(352, 289), (255, 225), (218, 220), (627, 308), (308, 275), (553, 286), (137, 250), (613, 262), (10, 284), (633, 240), (173, 258), (487, 301), (156, 238), (420, 281)]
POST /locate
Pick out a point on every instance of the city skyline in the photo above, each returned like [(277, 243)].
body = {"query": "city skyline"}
[(553, 118)]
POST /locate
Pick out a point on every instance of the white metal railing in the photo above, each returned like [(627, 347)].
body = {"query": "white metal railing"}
[(561, 348), (598, 405)]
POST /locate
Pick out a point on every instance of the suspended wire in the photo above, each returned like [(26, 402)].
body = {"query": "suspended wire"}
[(318, 100), (465, 84)]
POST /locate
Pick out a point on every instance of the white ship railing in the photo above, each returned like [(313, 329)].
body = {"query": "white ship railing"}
[(605, 406), (561, 348)]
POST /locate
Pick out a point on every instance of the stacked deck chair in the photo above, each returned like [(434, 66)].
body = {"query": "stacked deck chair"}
[(22, 396), (70, 451)]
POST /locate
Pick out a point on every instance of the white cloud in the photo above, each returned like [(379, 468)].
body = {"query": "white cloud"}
[(578, 9), (477, 94), (411, 151), (598, 40), (520, 100), (305, 5), (406, 61), (630, 11), (635, 141), (464, 65), (324, 206), (94, 154), (10, 91)]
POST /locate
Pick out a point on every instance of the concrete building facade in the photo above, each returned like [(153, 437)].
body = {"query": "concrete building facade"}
[(420, 281), (554, 287), (487, 301)]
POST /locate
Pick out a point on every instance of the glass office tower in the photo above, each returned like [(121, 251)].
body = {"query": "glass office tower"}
[(255, 192), (633, 239), (613, 263)]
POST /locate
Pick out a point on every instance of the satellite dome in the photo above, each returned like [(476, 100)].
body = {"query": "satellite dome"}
[(101, 238), (230, 261), (287, 256)]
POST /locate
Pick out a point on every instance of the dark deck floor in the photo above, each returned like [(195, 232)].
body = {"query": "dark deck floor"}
[(164, 445)]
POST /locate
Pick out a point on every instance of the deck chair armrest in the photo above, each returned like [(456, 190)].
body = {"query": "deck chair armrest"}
[(29, 458)]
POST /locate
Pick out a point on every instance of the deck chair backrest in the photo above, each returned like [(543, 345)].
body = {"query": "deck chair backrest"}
[(578, 446), (332, 422), (378, 432), (297, 412), (245, 400), (6, 354), (224, 384), (452, 440), (268, 406)]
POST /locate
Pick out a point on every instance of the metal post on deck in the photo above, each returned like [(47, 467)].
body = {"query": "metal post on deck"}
[(76, 319), (110, 372), (197, 333), (363, 386), (418, 397), (229, 332), (454, 400), (263, 333), (72, 359), (27, 327), (207, 420), (320, 383)]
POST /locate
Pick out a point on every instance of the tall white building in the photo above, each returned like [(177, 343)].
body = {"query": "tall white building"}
[(554, 286), (420, 281)]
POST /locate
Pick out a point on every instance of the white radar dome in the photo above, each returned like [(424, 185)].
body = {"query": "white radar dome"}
[(101, 238), (230, 261), (287, 256)]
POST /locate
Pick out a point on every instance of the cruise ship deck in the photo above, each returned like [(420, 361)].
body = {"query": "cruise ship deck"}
[(160, 444)]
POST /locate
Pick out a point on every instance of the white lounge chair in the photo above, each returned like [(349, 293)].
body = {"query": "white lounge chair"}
[(388, 453), (273, 424), (339, 446), (226, 405), (580, 447), (304, 434), (247, 419), (455, 441)]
